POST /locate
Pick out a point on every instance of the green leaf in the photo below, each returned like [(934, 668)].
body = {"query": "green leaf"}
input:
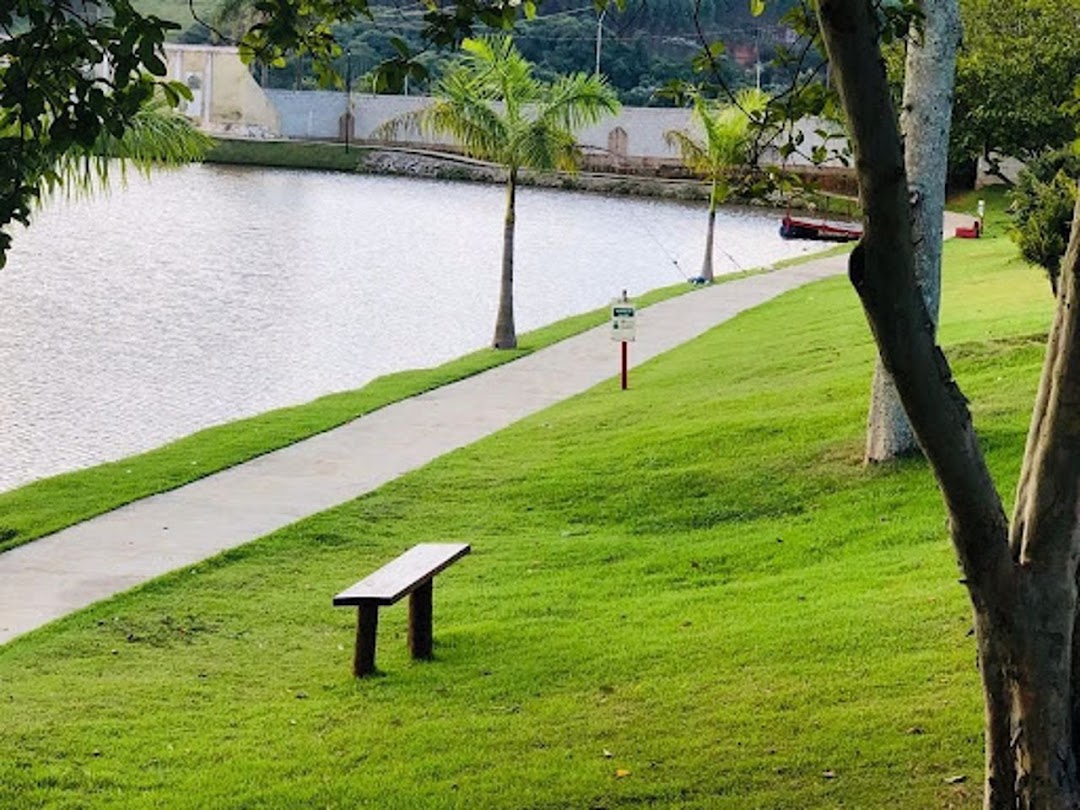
[(155, 66), (706, 58), (757, 7)]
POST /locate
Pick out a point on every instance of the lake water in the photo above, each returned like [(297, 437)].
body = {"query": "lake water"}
[(209, 293)]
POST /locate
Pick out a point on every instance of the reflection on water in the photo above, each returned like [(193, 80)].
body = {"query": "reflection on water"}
[(213, 293)]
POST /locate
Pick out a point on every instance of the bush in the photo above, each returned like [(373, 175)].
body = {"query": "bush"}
[(1042, 210)]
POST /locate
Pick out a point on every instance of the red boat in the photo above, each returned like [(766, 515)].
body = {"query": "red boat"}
[(792, 228)]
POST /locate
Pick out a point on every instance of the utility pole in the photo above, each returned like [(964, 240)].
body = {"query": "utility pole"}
[(757, 56), (348, 97), (599, 37)]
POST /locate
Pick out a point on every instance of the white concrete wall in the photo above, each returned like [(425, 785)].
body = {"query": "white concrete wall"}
[(317, 114), (644, 127), (226, 96), (306, 114), (1010, 167)]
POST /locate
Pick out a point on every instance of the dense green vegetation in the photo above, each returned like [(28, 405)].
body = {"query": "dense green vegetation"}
[(1042, 209), (686, 595), (643, 47), (1014, 75)]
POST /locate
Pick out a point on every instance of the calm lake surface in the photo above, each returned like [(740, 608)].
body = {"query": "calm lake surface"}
[(208, 294)]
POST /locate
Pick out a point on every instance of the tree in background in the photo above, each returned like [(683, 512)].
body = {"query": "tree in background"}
[(496, 110), (1014, 74), (725, 144), (645, 44), (1043, 202), (1021, 575), (925, 122)]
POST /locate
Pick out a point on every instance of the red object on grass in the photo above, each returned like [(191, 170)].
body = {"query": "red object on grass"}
[(974, 232)]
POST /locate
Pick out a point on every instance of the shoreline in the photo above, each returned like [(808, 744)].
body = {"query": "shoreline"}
[(30, 508), (398, 161)]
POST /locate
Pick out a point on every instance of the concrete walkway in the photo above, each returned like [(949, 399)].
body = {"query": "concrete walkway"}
[(90, 561)]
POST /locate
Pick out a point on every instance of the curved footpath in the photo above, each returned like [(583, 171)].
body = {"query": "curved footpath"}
[(90, 561)]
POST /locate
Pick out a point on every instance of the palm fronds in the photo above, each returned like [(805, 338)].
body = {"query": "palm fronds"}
[(493, 106), (727, 134), (157, 136)]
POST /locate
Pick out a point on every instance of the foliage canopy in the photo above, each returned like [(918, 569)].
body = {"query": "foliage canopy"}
[(76, 73), (72, 75), (1014, 76), (534, 121), (1042, 209)]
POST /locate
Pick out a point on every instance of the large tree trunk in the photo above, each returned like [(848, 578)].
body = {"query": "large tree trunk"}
[(505, 334), (925, 120), (1023, 583), (707, 262), (1045, 541)]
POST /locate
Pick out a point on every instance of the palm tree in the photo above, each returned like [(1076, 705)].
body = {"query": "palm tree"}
[(726, 144), (156, 136), (496, 110)]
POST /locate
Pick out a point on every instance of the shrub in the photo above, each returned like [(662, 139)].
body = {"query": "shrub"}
[(1042, 210)]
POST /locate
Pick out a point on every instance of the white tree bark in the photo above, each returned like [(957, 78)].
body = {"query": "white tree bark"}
[(929, 79)]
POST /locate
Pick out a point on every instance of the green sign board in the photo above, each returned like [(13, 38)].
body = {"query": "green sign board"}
[(623, 321)]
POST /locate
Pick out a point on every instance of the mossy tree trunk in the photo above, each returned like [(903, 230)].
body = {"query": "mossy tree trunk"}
[(1021, 577)]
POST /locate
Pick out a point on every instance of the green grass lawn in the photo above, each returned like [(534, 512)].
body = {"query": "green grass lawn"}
[(48, 505), (178, 11), (690, 594)]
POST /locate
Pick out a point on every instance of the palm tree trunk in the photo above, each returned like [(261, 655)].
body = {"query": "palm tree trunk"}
[(707, 264), (505, 334)]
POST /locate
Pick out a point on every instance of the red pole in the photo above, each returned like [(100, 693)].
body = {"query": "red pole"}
[(623, 364)]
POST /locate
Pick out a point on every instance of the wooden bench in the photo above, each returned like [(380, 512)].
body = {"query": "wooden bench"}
[(410, 574)]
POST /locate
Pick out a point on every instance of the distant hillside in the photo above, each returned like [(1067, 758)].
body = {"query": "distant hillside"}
[(177, 11), (642, 47)]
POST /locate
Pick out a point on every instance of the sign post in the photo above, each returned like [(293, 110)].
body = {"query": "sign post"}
[(623, 328)]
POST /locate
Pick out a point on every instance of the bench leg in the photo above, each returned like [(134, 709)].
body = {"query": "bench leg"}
[(420, 621), (367, 625)]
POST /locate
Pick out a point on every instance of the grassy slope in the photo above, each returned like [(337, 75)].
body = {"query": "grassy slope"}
[(178, 11), (695, 577), (46, 506), (288, 154)]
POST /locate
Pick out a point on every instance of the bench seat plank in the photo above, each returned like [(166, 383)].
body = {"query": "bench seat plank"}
[(402, 576)]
